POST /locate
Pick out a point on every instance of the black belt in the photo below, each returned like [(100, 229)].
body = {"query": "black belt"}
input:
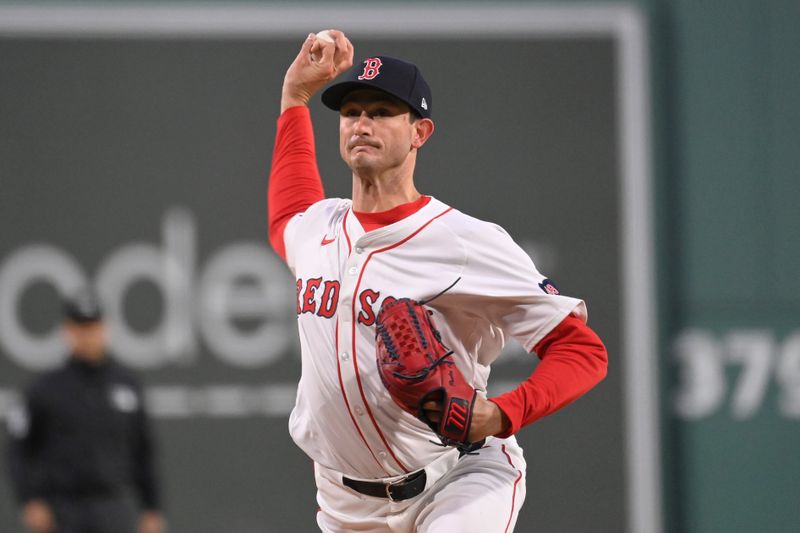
[(403, 489)]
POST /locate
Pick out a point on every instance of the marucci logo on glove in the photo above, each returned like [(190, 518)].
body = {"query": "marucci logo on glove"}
[(458, 412)]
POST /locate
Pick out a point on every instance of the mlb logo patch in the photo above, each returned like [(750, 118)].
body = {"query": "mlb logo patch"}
[(548, 286)]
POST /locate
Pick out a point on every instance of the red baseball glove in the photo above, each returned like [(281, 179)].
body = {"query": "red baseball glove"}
[(416, 367)]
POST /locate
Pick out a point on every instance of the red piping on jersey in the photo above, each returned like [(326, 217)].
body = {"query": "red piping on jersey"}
[(346, 403), (346, 235), (355, 359), (516, 482)]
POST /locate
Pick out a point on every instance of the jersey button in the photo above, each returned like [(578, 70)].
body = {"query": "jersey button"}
[(345, 356), (352, 271), (382, 454), (359, 250), (359, 411)]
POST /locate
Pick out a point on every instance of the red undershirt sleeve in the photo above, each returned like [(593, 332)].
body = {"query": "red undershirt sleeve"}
[(294, 180), (573, 360)]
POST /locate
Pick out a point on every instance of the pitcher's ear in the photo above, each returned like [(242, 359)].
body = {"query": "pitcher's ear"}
[(423, 129)]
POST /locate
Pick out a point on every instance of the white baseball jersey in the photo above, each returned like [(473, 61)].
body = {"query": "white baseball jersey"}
[(344, 419)]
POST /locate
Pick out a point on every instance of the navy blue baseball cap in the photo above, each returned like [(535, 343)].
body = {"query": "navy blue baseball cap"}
[(399, 78)]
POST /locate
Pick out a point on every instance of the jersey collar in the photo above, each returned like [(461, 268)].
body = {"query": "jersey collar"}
[(373, 221), (409, 219)]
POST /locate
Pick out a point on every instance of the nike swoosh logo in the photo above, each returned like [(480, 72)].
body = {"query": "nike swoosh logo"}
[(326, 241)]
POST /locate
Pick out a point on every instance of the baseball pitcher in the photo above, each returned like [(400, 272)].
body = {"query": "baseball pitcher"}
[(403, 303)]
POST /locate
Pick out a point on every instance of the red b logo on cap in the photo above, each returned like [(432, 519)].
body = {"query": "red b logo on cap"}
[(372, 68)]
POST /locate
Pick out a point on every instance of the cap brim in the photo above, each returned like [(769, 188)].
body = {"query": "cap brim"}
[(334, 95)]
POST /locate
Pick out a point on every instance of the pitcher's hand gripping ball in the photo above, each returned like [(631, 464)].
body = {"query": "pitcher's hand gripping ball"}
[(416, 367), (324, 38)]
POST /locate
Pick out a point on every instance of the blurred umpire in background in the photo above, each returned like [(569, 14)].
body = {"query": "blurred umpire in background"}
[(80, 451)]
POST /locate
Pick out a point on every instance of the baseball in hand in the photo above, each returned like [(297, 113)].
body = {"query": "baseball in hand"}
[(323, 37)]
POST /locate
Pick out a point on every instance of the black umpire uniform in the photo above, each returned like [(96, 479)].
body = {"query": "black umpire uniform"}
[(81, 443)]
